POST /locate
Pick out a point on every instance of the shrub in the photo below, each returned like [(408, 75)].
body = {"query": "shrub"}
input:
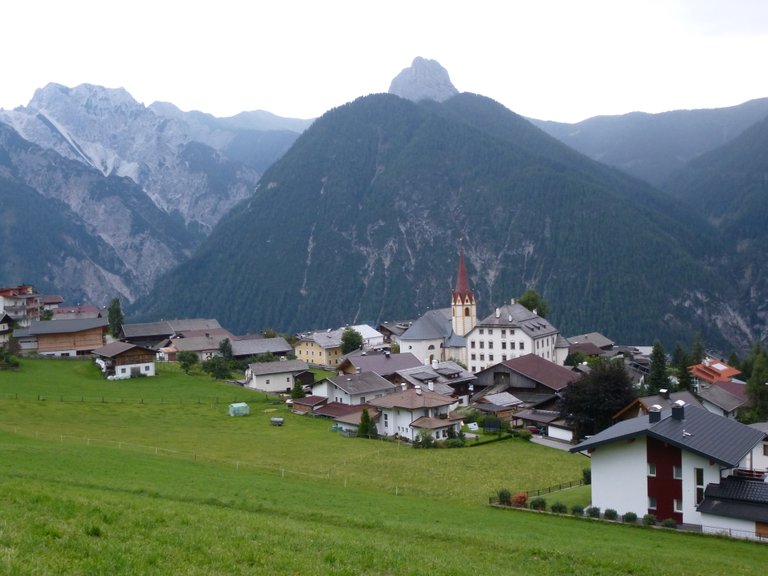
[(455, 443), (610, 514), (669, 523), (586, 475), (649, 520), (559, 508), (538, 503), (577, 510), (505, 497), (520, 499), (593, 512), (521, 433), (629, 517)]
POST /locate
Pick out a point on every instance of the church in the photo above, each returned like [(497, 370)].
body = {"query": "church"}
[(456, 334)]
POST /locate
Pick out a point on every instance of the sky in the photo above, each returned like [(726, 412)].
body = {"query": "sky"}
[(563, 60)]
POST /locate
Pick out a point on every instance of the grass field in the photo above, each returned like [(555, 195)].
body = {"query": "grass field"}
[(157, 479)]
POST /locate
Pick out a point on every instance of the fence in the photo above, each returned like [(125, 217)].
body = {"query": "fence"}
[(555, 488)]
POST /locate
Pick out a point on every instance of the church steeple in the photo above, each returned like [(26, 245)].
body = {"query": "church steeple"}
[(463, 306)]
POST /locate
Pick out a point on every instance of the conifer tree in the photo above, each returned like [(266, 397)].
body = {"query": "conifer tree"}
[(658, 379), (115, 317)]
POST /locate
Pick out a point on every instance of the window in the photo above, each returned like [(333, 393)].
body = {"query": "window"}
[(288, 379), (146, 368), (466, 311), (677, 472), (482, 331), (490, 331), (511, 345), (765, 449), (698, 474), (362, 399), (503, 357), (482, 345), (522, 345), (386, 420), (471, 343), (490, 357), (474, 368), (473, 357), (482, 357), (490, 345), (678, 504), (652, 502), (503, 345), (652, 469), (503, 332)]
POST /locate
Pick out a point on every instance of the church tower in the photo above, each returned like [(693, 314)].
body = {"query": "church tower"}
[(463, 307)]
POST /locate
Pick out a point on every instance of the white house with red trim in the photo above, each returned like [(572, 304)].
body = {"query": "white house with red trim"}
[(687, 464)]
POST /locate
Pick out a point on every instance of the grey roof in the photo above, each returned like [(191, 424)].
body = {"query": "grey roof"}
[(382, 364), (327, 339), (432, 325), (737, 498), (442, 372), (701, 432), (116, 348), (763, 426), (541, 416), (168, 327), (517, 316), (720, 397), (502, 399), (412, 399), (61, 326), (278, 367), (254, 346), (593, 337), (363, 383)]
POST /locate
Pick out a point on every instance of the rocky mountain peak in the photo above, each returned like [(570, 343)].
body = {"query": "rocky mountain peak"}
[(423, 80)]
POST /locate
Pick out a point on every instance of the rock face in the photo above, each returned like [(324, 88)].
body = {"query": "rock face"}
[(423, 80), (150, 182)]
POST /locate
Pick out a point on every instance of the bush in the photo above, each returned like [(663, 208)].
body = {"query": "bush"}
[(559, 508), (610, 514), (455, 443), (521, 433), (669, 523), (629, 517), (649, 520), (538, 503), (586, 475), (520, 500), (505, 497), (593, 512), (577, 510)]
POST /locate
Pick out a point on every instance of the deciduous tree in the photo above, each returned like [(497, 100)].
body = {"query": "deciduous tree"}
[(534, 302), (351, 340)]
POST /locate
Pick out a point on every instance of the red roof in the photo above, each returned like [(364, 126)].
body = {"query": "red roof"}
[(713, 371)]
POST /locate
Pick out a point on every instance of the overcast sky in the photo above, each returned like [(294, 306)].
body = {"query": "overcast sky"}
[(563, 60)]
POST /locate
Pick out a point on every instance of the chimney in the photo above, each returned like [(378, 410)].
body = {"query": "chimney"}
[(654, 414), (512, 301), (418, 390), (404, 386), (431, 386), (386, 354), (435, 363), (678, 410), (358, 369), (498, 312), (664, 393)]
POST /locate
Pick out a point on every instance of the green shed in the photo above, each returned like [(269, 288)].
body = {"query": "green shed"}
[(239, 409)]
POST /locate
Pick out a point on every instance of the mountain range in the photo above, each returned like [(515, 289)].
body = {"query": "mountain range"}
[(359, 216)]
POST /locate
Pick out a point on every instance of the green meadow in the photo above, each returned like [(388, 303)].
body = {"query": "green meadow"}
[(151, 476)]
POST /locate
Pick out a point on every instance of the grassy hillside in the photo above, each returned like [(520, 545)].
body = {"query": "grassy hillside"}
[(84, 489)]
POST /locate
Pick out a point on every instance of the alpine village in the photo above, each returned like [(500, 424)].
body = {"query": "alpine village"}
[(352, 315)]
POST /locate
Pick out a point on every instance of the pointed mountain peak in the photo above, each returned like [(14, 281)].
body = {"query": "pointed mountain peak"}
[(423, 80)]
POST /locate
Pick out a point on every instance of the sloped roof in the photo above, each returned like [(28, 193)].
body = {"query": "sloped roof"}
[(542, 371), (519, 317), (366, 331), (310, 400), (713, 371), (254, 346), (362, 383), (502, 399), (720, 397), (168, 327), (432, 423), (593, 338), (327, 339), (353, 417), (114, 349), (448, 372), (412, 399), (278, 367), (432, 325), (383, 364), (699, 431), (660, 400), (197, 343), (541, 416), (737, 498), (67, 326)]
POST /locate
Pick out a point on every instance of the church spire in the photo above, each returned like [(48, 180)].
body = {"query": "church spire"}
[(463, 307)]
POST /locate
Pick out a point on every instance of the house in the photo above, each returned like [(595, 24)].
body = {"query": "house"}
[(205, 346), (665, 399), (120, 360), (539, 383), (711, 371), (372, 338), (72, 312), (6, 328), (353, 388), (383, 363), (278, 376), (502, 405), (510, 332), (548, 422), (716, 387), (62, 337), (408, 412), (447, 378), (440, 334), (592, 339), (244, 347), (21, 303), (51, 302), (683, 464), (349, 423), (154, 334), (308, 404), (320, 348), (393, 330)]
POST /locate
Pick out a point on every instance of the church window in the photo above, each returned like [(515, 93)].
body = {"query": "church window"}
[(466, 311)]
